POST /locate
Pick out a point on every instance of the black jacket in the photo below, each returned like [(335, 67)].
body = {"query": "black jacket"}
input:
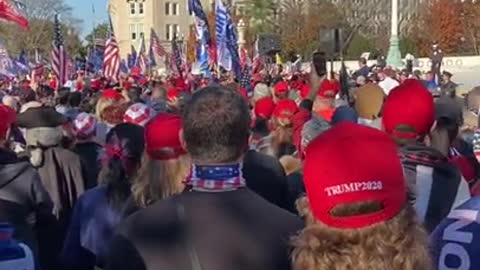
[(24, 202), (265, 176), (235, 230), (88, 153)]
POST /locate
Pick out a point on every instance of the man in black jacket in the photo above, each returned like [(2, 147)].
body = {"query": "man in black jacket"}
[(219, 224), (24, 202)]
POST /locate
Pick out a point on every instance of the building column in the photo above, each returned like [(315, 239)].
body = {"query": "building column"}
[(394, 58)]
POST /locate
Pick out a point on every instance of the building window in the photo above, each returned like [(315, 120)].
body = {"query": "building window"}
[(167, 8), (140, 30), (168, 34), (177, 30), (133, 32), (176, 9), (140, 8), (132, 8)]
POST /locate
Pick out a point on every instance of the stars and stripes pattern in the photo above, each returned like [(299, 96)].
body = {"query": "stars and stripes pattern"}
[(155, 45), (246, 77), (111, 60), (59, 54), (142, 60)]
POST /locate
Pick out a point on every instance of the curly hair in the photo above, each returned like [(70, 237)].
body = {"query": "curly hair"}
[(158, 179), (102, 103), (397, 244), (114, 113)]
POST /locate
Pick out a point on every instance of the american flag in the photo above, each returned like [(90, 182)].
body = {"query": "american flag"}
[(142, 60), (111, 59), (155, 45), (246, 78), (59, 54)]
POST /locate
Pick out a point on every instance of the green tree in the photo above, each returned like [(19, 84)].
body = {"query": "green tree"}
[(100, 31), (261, 15), (40, 35), (359, 45), (408, 45)]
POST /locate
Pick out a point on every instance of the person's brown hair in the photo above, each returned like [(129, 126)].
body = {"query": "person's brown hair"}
[(216, 125), (397, 244), (157, 179)]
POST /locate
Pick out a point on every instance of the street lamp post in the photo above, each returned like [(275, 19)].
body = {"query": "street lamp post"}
[(241, 27), (394, 58)]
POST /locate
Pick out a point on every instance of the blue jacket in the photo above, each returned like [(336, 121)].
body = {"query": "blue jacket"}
[(92, 226)]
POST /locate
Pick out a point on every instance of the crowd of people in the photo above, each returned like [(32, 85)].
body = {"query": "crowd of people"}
[(291, 172)]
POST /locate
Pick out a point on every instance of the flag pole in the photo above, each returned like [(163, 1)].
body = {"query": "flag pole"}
[(94, 25)]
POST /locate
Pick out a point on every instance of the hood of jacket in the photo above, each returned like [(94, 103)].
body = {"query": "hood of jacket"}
[(11, 167)]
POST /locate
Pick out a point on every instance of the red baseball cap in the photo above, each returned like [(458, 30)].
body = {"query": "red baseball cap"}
[(304, 90), (349, 164), (409, 105), (162, 138), (328, 89), (285, 109), (264, 108), (281, 88), (8, 117), (173, 93), (111, 94)]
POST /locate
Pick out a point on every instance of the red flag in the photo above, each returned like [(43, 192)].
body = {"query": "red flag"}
[(11, 10)]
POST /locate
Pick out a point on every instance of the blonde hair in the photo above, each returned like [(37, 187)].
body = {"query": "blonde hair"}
[(102, 103), (159, 179), (397, 244)]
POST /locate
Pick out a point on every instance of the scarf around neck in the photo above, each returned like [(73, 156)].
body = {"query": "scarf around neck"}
[(216, 178)]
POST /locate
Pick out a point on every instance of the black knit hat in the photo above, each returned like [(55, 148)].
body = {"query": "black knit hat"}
[(40, 117)]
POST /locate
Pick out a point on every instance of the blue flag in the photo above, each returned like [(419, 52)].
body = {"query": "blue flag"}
[(222, 18), (456, 241), (201, 20), (124, 66), (232, 46), (132, 57), (152, 62), (95, 59)]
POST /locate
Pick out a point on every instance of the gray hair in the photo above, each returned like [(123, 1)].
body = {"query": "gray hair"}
[(312, 129)]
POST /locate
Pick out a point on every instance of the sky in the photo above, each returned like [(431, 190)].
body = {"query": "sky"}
[(82, 9)]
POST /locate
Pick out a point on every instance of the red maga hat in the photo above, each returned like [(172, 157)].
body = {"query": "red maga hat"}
[(351, 164), (264, 108), (409, 111), (111, 94), (162, 137), (281, 88), (285, 109)]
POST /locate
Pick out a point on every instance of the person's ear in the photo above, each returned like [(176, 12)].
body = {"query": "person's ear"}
[(434, 126), (182, 139)]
